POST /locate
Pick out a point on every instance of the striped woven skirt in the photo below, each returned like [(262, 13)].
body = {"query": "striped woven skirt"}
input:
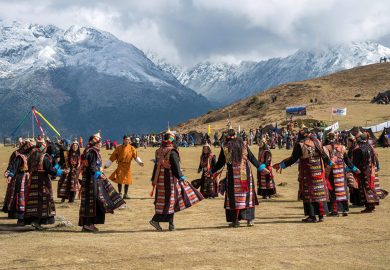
[(108, 198), (9, 195), (368, 195), (67, 184), (14, 202), (381, 193), (172, 195), (266, 183), (39, 200), (339, 182), (237, 196), (312, 181)]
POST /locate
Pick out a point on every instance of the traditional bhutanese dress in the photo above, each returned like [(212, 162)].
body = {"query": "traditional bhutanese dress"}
[(273, 141), (312, 184), (240, 195), (14, 203), (381, 193), (40, 207), (171, 195), (364, 159), (10, 186), (265, 181), (355, 197), (123, 155), (336, 177), (289, 142), (68, 183), (208, 185), (98, 196)]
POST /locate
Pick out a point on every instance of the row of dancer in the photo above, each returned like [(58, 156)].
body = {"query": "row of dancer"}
[(328, 175), (322, 180), (29, 196)]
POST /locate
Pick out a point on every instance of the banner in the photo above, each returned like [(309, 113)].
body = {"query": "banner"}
[(379, 127), (333, 127), (49, 124), (296, 110), (209, 130), (339, 111), (36, 113)]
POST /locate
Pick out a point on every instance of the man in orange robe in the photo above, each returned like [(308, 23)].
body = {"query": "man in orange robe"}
[(123, 155)]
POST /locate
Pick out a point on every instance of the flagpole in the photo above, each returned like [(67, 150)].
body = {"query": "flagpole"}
[(331, 116), (32, 124)]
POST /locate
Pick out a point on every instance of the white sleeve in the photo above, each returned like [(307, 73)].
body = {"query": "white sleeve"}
[(108, 163), (138, 160)]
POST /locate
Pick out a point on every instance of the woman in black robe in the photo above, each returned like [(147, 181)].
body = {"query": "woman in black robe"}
[(240, 195), (17, 178), (98, 196), (40, 208)]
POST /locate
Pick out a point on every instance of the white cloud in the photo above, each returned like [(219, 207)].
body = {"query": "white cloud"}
[(186, 31)]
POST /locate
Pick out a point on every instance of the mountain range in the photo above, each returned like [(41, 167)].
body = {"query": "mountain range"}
[(224, 83), (83, 79), (353, 89)]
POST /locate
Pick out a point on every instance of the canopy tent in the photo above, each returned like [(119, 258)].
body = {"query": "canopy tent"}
[(197, 137), (380, 96), (267, 129), (9, 141)]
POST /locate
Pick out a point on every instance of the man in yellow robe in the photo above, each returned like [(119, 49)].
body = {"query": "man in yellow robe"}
[(123, 155)]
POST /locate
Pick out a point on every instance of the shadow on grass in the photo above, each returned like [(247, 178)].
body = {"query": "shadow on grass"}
[(292, 217), (9, 228), (277, 201), (279, 222), (140, 198), (18, 229), (358, 213)]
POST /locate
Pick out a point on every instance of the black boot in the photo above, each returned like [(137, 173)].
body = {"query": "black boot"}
[(171, 226), (309, 220), (156, 225), (235, 224)]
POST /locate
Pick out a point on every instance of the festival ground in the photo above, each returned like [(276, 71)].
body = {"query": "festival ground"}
[(279, 239)]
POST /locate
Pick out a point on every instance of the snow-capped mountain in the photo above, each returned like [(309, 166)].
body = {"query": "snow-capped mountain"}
[(224, 83), (163, 64), (85, 79)]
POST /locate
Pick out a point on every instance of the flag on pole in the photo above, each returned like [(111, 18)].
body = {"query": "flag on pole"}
[(333, 127), (339, 111), (38, 121), (36, 113), (209, 130)]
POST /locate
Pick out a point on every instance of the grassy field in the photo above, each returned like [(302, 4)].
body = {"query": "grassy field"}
[(353, 89), (279, 240)]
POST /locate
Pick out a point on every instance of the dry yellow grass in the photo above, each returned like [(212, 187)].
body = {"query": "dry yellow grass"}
[(335, 90), (202, 241)]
